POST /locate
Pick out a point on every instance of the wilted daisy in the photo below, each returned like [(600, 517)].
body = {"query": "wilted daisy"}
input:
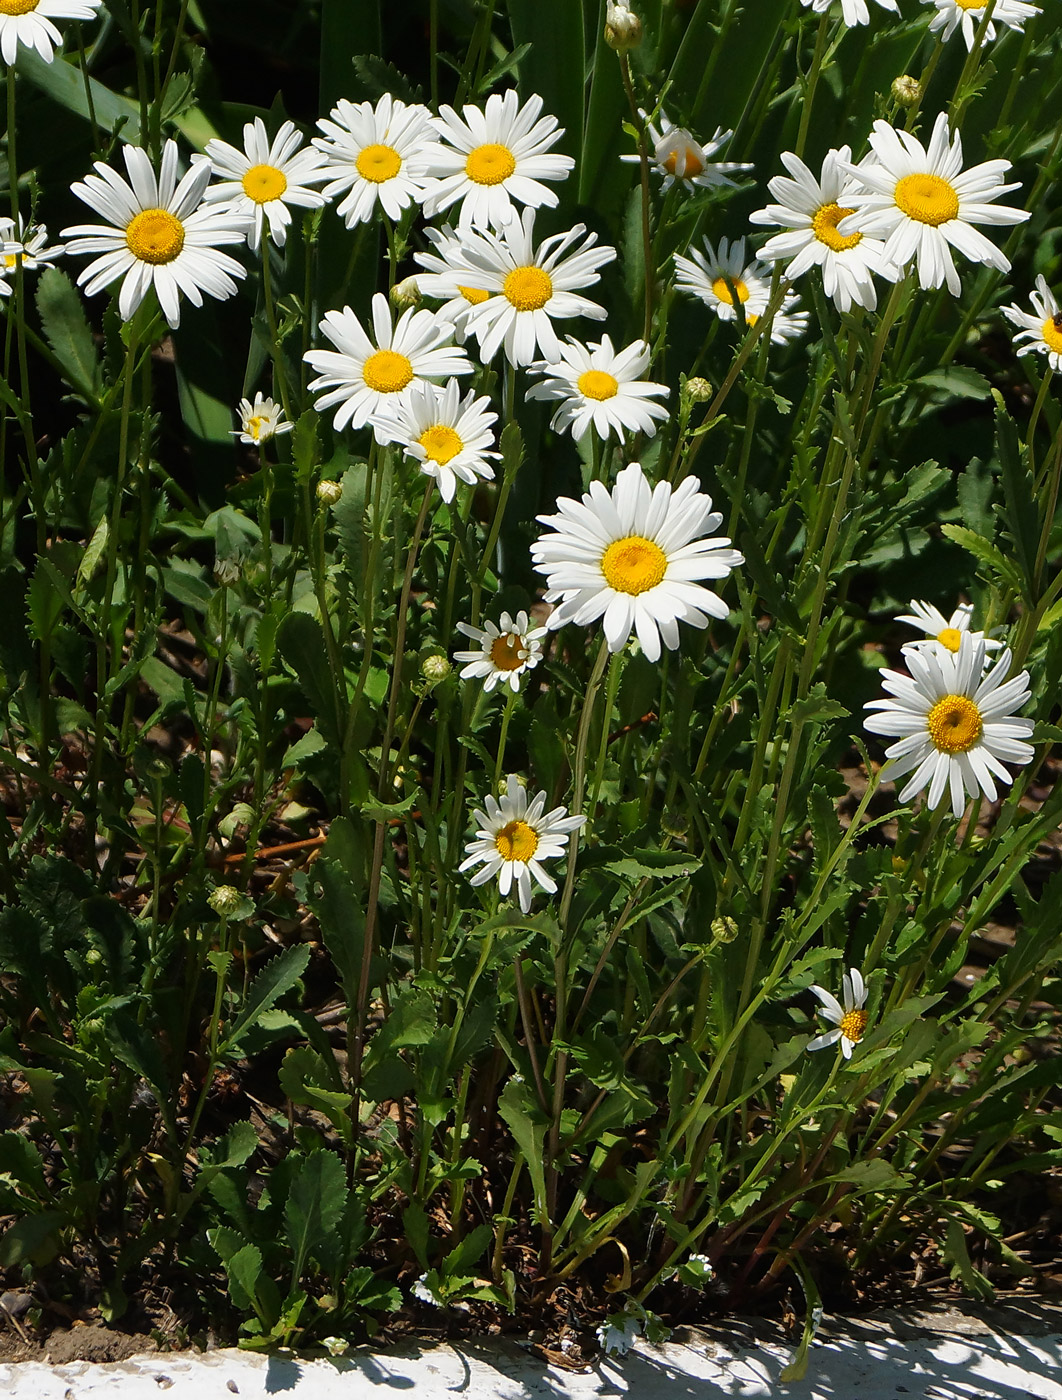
[(442, 278), (514, 837), (955, 723), (709, 276), (683, 160), (380, 155), (1042, 331), (495, 158), (600, 388), (812, 208), (29, 247), (507, 650), (633, 556), (261, 420), (969, 13), (924, 204), (850, 1019), (947, 632), (262, 180), (853, 12), (362, 377), (528, 287), (449, 436), (162, 234), (29, 22)]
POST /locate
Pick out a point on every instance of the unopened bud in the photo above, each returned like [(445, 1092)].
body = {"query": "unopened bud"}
[(906, 91), (724, 929), (698, 390), (329, 492), (227, 571), (435, 669), (405, 294), (623, 28), (225, 900)]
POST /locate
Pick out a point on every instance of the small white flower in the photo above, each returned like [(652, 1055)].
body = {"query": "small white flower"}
[(683, 160), (362, 377), (449, 436), (941, 631), (620, 1330), (508, 649), (262, 180), (955, 723), (1042, 331), (29, 247), (29, 22), (853, 12), (709, 276), (380, 155), (425, 1293), (261, 420), (600, 388), (515, 837), (850, 1019), (495, 158), (632, 557), (969, 14)]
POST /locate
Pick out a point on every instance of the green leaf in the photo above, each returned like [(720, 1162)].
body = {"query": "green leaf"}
[(300, 639), (244, 1270), (316, 1200), (956, 382), (66, 329), (277, 977), (1000, 569), (33, 1238), (528, 1128), (1019, 503)]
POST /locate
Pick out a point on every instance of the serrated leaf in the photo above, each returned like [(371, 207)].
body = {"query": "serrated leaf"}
[(316, 1201), (277, 977), (529, 1133), (66, 329), (1001, 570)]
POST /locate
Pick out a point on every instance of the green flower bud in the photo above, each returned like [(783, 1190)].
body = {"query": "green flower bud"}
[(906, 91), (329, 492), (225, 900)]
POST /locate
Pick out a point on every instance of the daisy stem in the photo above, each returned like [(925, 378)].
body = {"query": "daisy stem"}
[(643, 166), (271, 322), (963, 90), (507, 714), (89, 102), (141, 78), (811, 84), (579, 775), (1034, 419), (1049, 501), (616, 663), (923, 85)]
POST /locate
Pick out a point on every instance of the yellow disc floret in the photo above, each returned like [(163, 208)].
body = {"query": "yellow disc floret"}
[(263, 183), (17, 7), (155, 236), (507, 652), (475, 296), (853, 1026), (971, 4), (928, 199), (691, 161), (528, 288), (516, 841), (378, 164), (255, 425), (440, 442), (597, 384), (954, 724), (722, 291), (824, 227), (387, 371), (1052, 333), (490, 164), (951, 638), (633, 565)]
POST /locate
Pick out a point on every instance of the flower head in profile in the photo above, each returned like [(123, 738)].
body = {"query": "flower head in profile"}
[(160, 234), (716, 276), (955, 723), (923, 204), (261, 420), (514, 837), (941, 631), (1042, 331), (601, 388), (682, 160), (494, 159), (263, 180), (853, 12), (507, 650), (362, 376), (450, 437), (849, 1019), (633, 557), (968, 14), (377, 157), (26, 246), (29, 22)]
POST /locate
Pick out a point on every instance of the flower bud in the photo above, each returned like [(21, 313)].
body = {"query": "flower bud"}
[(225, 900), (406, 294), (623, 28), (329, 492), (697, 390), (227, 571), (435, 669), (724, 929), (906, 91)]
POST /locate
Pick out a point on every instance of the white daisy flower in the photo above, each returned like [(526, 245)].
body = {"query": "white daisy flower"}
[(955, 723), (441, 280), (507, 651), (708, 275), (683, 160), (528, 287), (618, 1333), (449, 436), (941, 631), (924, 204), (261, 420), (969, 14), (162, 234), (495, 158), (514, 838), (812, 208), (381, 155), (1042, 331), (850, 1020), (29, 22), (262, 180), (788, 323), (362, 377), (633, 557), (28, 247), (601, 388), (853, 12)]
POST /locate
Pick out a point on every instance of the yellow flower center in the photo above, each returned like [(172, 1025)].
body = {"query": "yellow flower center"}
[(722, 291), (155, 236), (378, 164), (475, 295), (17, 7), (751, 318), (692, 167), (633, 565), (951, 638), (441, 443), (1052, 333), (971, 4), (10, 259), (954, 724), (256, 425), (387, 371), (824, 227), (597, 384), (928, 199), (490, 164), (516, 841), (528, 288), (505, 652), (853, 1025), (263, 183)]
